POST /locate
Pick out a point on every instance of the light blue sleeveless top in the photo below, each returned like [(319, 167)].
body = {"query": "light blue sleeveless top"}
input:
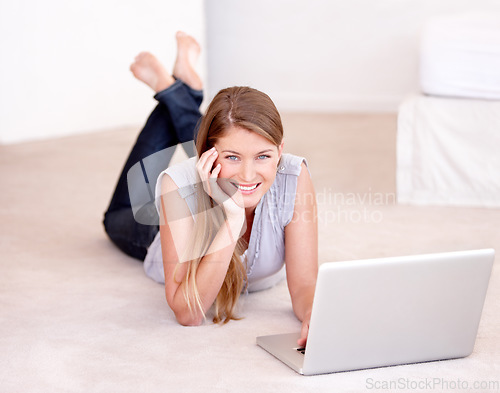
[(265, 255)]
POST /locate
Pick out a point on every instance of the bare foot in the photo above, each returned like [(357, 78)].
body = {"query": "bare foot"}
[(188, 51), (148, 69)]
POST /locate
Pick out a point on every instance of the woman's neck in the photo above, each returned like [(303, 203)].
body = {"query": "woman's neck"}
[(249, 213)]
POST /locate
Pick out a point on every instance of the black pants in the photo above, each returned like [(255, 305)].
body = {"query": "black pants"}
[(131, 220)]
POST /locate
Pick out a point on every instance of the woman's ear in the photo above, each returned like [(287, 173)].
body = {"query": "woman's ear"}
[(280, 149)]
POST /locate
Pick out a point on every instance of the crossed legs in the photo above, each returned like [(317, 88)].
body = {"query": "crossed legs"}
[(173, 121)]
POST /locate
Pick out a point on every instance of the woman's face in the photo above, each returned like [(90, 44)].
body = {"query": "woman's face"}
[(249, 161)]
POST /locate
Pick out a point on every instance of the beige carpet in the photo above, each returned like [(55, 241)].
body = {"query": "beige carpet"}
[(76, 315)]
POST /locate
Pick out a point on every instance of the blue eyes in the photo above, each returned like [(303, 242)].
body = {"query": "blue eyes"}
[(261, 157)]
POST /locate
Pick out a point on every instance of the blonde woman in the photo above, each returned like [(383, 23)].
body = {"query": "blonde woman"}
[(234, 218)]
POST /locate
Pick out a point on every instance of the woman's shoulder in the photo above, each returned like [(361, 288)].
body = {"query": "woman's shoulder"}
[(183, 172), (284, 189), (291, 164)]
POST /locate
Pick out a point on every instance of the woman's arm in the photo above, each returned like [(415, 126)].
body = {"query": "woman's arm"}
[(176, 228), (301, 251)]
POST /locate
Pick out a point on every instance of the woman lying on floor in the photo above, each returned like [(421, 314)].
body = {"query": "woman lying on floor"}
[(228, 220)]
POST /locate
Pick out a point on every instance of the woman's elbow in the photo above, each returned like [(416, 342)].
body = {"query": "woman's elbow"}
[(183, 313), (188, 319)]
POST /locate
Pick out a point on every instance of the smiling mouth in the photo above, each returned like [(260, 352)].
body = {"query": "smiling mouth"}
[(246, 188)]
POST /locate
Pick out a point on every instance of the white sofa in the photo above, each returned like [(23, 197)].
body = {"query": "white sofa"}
[(448, 152), (448, 141)]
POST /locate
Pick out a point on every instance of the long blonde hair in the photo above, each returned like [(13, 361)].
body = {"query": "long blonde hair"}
[(254, 111)]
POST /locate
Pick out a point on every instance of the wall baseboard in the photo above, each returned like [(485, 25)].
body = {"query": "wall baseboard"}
[(285, 102)]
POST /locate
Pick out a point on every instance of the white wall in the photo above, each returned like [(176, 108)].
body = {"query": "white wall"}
[(323, 55), (65, 63)]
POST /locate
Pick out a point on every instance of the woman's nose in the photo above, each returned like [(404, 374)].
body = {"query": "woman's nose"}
[(247, 172)]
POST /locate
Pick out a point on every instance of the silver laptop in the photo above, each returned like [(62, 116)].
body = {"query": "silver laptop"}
[(389, 311)]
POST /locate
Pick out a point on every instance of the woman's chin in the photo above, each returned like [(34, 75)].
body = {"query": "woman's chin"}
[(250, 205), (252, 200)]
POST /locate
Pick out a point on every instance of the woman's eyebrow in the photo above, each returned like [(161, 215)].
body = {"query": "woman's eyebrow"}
[(235, 152)]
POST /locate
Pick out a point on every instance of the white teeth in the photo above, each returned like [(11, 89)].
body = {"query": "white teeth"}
[(246, 188)]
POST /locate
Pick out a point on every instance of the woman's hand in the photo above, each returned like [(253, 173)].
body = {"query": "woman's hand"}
[(233, 204), (301, 342)]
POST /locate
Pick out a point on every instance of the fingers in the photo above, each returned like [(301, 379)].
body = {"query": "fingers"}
[(220, 190), (204, 168), (216, 171), (303, 334), (212, 181), (205, 163), (206, 156)]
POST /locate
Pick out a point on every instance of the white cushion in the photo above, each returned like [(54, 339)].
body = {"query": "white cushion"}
[(460, 56)]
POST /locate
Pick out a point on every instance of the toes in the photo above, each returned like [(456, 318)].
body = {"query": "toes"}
[(140, 55)]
